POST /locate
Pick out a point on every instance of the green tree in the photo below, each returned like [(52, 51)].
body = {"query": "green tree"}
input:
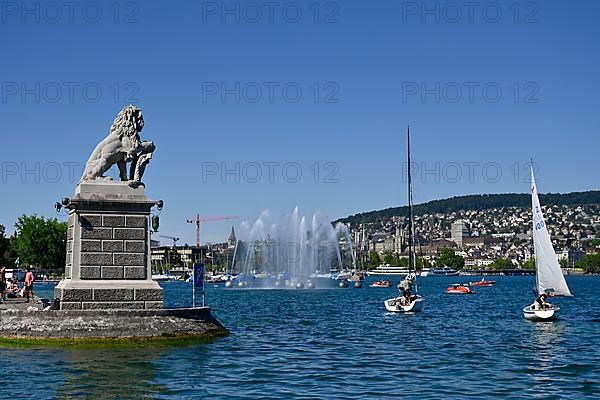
[(501, 263), (40, 242), (563, 263), (388, 258), (374, 259), (450, 259), (529, 264), (401, 262), (590, 263), (3, 246)]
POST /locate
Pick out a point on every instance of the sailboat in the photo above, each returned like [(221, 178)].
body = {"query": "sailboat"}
[(400, 303), (549, 277)]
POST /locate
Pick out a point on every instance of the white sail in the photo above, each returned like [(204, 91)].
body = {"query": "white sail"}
[(549, 274)]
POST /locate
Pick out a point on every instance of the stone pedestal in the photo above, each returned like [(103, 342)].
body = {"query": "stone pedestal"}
[(108, 250)]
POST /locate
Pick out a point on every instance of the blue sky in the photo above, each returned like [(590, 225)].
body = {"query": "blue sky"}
[(307, 87)]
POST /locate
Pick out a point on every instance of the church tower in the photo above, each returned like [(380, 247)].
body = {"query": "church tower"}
[(232, 240)]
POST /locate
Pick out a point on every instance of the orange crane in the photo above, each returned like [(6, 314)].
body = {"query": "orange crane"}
[(199, 220)]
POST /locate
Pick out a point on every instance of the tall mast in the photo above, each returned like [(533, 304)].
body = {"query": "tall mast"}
[(533, 190), (410, 221)]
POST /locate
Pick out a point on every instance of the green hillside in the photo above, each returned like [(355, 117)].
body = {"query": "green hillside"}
[(478, 202)]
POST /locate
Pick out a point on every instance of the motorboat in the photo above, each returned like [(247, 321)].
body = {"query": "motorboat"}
[(482, 283), (382, 284), (459, 288)]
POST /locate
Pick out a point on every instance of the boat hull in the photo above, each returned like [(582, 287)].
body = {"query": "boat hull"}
[(442, 272), (459, 288), (386, 273), (483, 283), (459, 292), (547, 314), (393, 305), (464, 290), (382, 284)]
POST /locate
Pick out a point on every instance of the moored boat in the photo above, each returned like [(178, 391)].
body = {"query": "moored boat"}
[(444, 271), (387, 269), (163, 277)]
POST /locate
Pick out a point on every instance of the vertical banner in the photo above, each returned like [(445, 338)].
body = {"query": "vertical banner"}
[(198, 282), (199, 276)]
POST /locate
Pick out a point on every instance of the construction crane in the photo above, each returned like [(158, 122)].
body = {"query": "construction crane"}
[(173, 238), (199, 220)]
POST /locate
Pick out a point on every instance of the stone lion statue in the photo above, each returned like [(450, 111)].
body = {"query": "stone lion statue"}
[(122, 145)]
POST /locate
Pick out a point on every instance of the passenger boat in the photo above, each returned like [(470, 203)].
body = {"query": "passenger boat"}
[(549, 277), (382, 284), (387, 269), (459, 288)]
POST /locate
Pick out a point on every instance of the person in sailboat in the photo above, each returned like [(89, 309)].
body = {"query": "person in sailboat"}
[(406, 288), (540, 302)]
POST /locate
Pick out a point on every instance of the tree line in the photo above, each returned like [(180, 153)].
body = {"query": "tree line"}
[(37, 241), (476, 202)]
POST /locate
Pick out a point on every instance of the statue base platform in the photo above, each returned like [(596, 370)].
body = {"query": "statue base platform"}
[(110, 326), (108, 250)]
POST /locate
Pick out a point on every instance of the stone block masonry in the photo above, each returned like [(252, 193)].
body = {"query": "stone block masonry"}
[(111, 242), (108, 250)]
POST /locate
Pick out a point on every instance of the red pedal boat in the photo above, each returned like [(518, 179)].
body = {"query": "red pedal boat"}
[(459, 289)]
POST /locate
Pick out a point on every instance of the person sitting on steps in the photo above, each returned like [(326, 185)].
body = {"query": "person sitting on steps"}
[(12, 289)]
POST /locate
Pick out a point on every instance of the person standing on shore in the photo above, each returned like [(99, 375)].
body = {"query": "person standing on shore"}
[(2, 284), (29, 279)]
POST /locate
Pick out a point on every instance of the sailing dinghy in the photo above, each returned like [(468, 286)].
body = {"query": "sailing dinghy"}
[(412, 302), (549, 277)]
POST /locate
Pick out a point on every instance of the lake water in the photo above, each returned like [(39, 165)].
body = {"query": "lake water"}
[(340, 343)]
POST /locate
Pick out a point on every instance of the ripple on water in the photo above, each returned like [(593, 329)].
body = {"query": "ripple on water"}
[(341, 343)]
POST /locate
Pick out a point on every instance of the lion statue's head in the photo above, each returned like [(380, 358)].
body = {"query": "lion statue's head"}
[(129, 122)]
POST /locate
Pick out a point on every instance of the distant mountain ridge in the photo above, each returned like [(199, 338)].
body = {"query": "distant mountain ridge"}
[(477, 202)]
